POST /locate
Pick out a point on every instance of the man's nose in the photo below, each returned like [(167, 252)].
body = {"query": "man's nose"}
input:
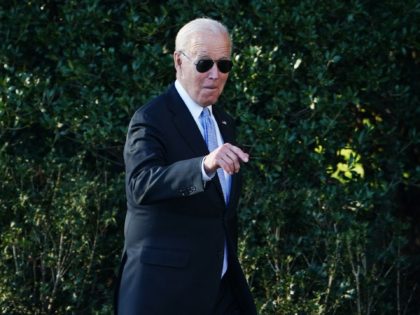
[(214, 71)]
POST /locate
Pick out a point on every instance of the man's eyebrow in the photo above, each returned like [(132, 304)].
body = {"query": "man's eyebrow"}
[(202, 55), (205, 56)]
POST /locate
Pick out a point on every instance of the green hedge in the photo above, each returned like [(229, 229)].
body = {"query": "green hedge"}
[(326, 92)]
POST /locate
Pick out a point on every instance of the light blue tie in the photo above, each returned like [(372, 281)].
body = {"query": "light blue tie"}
[(209, 133)]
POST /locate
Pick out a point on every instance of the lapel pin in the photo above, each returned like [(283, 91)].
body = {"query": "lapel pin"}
[(224, 122)]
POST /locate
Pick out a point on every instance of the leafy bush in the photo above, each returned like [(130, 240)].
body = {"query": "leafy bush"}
[(326, 93)]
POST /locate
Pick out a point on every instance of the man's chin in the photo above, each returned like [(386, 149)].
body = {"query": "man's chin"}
[(209, 99)]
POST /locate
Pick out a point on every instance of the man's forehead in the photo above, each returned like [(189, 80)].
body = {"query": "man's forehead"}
[(204, 43)]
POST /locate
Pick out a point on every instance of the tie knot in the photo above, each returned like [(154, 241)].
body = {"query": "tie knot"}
[(206, 112)]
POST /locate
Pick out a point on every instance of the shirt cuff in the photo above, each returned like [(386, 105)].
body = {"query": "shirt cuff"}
[(206, 177)]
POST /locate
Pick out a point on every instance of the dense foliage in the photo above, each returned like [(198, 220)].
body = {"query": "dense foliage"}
[(325, 92)]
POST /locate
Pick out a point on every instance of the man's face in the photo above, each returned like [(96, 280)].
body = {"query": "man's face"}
[(204, 88)]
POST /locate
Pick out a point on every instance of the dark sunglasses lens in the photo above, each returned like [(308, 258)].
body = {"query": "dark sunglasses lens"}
[(204, 65), (224, 65)]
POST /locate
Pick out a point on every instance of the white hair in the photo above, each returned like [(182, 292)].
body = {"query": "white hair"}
[(184, 36)]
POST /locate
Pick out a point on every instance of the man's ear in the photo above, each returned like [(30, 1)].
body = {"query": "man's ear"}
[(177, 64), (177, 60)]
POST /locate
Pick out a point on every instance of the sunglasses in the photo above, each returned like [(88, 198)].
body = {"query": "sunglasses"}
[(204, 65)]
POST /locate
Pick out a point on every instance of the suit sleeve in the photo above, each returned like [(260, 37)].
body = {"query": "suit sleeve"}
[(150, 177)]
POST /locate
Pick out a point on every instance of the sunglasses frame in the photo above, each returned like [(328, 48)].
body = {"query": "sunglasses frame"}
[(210, 62)]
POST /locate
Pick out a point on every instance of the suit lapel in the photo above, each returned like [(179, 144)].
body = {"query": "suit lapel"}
[(227, 131), (185, 124), (224, 124)]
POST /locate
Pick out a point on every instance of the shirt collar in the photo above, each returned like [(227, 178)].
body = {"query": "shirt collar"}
[(193, 107)]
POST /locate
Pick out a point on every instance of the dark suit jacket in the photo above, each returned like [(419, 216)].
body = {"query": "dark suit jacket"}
[(176, 225)]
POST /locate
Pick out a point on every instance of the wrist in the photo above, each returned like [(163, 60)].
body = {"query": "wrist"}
[(206, 173)]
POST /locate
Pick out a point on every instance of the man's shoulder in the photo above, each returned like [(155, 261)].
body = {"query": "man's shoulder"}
[(158, 105)]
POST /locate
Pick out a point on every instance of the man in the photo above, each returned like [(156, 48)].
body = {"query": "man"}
[(182, 186)]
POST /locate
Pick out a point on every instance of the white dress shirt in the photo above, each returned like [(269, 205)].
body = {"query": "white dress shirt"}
[(195, 111)]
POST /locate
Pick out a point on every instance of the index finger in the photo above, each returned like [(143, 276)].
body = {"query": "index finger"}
[(241, 154)]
